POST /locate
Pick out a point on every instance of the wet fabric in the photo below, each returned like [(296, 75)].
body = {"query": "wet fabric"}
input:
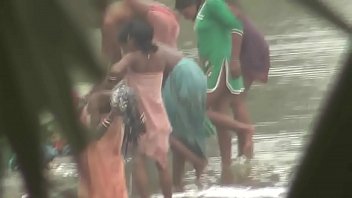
[(155, 142), (214, 26), (184, 95)]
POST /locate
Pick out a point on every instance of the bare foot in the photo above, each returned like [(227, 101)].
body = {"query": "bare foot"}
[(200, 169), (241, 168), (226, 176)]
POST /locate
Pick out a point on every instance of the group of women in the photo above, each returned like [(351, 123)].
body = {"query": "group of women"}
[(151, 89)]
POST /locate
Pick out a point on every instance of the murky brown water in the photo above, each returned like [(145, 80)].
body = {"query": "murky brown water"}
[(305, 55)]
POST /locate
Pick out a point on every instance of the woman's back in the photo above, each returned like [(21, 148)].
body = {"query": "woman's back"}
[(147, 63)]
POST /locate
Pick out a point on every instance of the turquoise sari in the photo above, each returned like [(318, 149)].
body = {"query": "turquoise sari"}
[(184, 95)]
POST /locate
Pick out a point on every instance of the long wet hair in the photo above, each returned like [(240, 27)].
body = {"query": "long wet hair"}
[(141, 32)]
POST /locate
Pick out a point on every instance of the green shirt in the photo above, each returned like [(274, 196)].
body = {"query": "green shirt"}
[(214, 26)]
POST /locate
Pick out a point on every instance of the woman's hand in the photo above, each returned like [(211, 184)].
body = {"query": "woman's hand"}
[(235, 68)]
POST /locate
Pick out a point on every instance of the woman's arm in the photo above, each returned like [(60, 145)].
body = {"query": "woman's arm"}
[(109, 46), (117, 72), (235, 63), (237, 34), (99, 102), (114, 16)]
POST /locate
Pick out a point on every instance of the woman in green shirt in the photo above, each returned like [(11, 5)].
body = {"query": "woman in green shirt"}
[(219, 35)]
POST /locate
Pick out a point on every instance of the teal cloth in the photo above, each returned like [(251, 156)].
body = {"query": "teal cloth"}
[(184, 96)]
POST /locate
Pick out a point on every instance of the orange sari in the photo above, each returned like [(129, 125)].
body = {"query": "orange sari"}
[(103, 165)]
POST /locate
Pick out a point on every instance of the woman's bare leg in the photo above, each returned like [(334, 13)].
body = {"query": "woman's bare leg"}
[(140, 175), (218, 118), (165, 181), (225, 145), (245, 140), (197, 162), (178, 170), (217, 100)]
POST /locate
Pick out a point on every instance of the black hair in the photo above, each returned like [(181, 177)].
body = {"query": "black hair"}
[(182, 4), (141, 32)]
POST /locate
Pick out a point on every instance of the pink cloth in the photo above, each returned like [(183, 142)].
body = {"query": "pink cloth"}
[(165, 24), (163, 20), (155, 142), (102, 165)]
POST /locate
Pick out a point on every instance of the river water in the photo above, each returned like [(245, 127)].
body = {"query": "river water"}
[(306, 54)]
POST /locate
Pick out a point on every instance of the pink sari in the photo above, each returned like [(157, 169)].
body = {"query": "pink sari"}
[(155, 142), (103, 165)]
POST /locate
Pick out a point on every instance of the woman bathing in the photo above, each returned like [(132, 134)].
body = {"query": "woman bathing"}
[(219, 35), (166, 31), (142, 66)]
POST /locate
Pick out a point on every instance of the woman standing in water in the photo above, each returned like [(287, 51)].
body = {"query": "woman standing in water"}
[(103, 165), (219, 35), (115, 16), (142, 66), (185, 105), (184, 95), (255, 64), (162, 19)]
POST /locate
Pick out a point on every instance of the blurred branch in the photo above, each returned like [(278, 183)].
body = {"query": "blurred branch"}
[(40, 41), (325, 170)]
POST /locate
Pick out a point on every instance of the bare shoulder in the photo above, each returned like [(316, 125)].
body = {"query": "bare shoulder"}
[(126, 61), (169, 51)]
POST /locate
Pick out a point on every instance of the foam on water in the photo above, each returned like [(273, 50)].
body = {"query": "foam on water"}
[(233, 192)]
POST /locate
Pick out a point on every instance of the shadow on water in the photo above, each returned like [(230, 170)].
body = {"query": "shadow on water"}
[(305, 55)]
